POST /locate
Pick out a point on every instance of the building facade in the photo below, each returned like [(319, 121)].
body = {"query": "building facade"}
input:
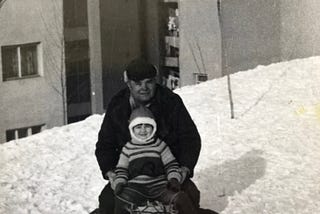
[(49, 68), (62, 60), (30, 92)]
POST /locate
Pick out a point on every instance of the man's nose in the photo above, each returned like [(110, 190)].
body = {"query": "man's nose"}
[(144, 86)]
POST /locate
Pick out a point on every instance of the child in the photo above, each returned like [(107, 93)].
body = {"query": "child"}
[(146, 169)]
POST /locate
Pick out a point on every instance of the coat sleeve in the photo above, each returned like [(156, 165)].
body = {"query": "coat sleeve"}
[(189, 137), (170, 164), (106, 152)]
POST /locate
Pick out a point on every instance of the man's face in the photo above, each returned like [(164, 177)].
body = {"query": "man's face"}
[(142, 90)]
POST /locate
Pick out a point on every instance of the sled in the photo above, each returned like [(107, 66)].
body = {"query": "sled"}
[(152, 207), (138, 204)]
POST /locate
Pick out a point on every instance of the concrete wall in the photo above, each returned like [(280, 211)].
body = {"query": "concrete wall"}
[(95, 56), (250, 33), (300, 28), (200, 40), (32, 101)]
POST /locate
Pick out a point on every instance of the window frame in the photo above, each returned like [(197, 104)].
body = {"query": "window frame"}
[(17, 49), (23, 132)]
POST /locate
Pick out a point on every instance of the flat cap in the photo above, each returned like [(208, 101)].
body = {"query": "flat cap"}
[(140, 69)]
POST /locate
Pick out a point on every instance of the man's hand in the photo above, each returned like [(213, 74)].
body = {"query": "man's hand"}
[(111, 176), (116, 183), (185, 172)]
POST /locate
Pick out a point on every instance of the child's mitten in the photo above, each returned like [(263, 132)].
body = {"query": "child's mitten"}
[(119, 183), (173, 185), (119, 188)]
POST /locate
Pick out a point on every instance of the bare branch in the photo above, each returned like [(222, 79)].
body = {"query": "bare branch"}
[(201, 57), (194, 56), (230, 96)]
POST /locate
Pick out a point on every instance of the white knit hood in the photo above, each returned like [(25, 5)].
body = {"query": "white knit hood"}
[(142, 115)]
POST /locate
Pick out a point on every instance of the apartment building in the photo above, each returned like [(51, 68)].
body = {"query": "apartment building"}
[(62, 60)]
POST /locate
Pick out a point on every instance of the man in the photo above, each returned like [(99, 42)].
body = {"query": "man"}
[(175, 127)]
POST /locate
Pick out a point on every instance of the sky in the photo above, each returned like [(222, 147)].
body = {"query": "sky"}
[(264, 160)]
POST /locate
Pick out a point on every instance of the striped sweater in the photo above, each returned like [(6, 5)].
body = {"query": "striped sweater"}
[(150, 164)]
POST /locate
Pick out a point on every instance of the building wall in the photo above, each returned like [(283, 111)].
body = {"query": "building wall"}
[(120, 41), (300, 28), (250, 33), (200, 40), (151, 30), (32, 101), (95, 56)]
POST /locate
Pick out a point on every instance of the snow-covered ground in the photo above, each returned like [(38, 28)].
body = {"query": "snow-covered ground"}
[(265, 160)]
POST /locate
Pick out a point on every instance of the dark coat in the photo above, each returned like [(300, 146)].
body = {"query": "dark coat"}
[(174, 126)]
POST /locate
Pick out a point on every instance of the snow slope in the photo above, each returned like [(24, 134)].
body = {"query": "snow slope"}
[(265, 160)]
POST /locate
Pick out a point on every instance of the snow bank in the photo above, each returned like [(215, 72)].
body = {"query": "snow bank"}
[(263, 161)]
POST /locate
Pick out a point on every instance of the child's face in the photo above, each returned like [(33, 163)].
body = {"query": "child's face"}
[(142, 131)]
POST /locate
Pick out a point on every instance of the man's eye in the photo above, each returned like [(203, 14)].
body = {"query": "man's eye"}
[(151, 81)]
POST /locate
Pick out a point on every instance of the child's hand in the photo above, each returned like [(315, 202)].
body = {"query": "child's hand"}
[(119, 187), (185, 172), (174, 185)]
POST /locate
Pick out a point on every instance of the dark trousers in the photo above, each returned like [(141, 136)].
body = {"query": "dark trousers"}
[(107, 200)]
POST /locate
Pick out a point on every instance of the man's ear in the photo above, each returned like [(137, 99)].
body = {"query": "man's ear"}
[(125, 77)]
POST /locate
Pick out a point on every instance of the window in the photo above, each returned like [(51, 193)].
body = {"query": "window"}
[(10, 134), (22, 132), (170, 68), (19, 61), (78, 71), (200, 77), (14, 134), (78, 82)]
